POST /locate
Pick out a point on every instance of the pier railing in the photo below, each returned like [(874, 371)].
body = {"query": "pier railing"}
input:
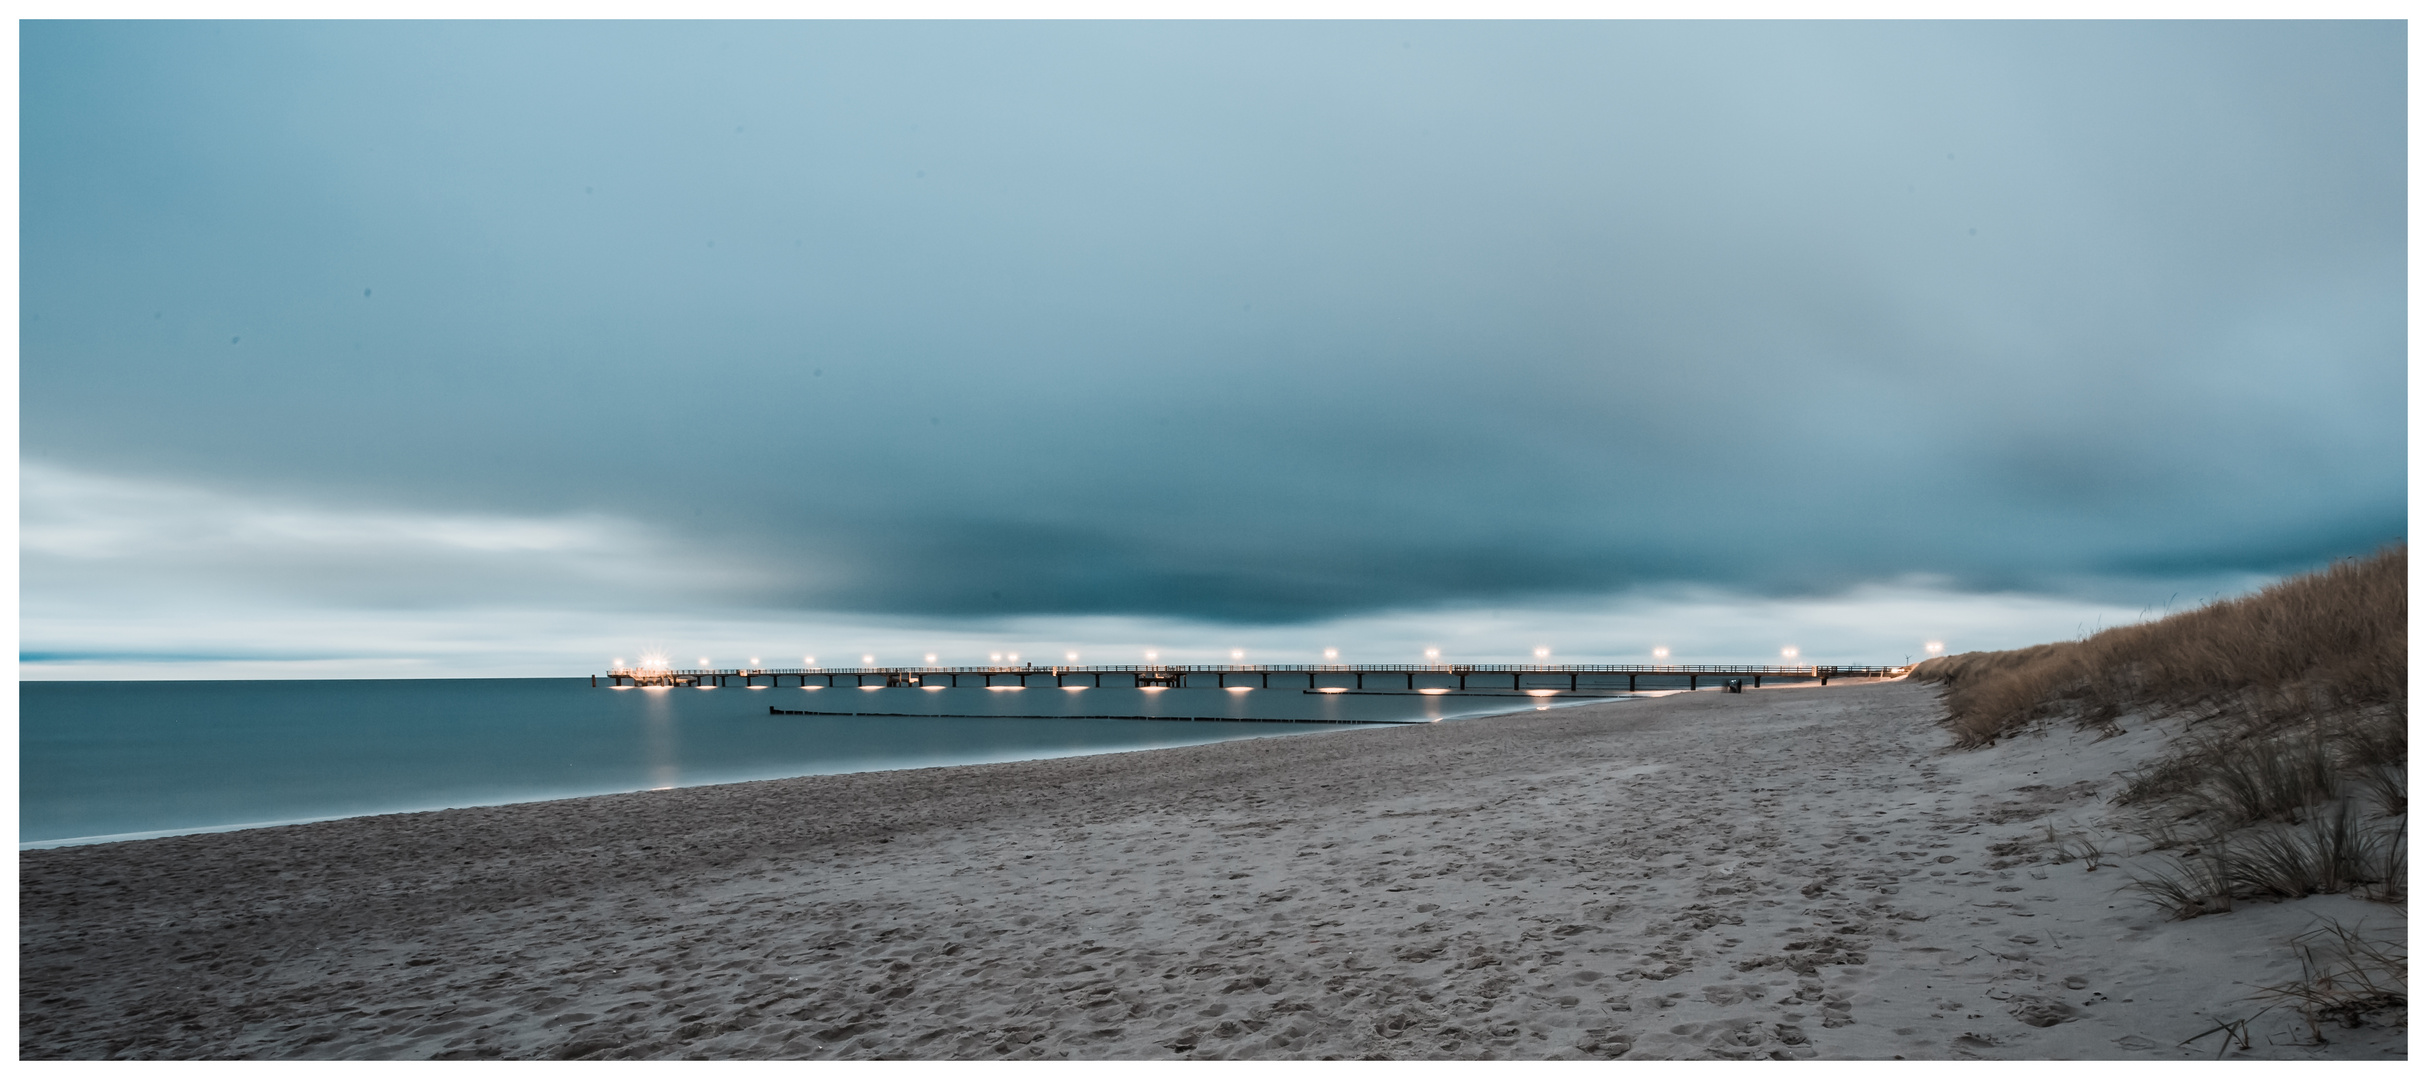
[(1434, 677)]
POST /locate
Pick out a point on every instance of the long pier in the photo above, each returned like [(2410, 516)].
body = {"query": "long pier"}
[(1320, 678)]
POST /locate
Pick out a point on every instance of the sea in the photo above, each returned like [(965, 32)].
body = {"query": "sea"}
[(106, 761)]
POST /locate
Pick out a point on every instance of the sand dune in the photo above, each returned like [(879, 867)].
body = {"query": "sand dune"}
[(1788, 873)]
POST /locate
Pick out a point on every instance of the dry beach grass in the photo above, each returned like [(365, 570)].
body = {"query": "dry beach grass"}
[(2331, 642), (1786, 873)]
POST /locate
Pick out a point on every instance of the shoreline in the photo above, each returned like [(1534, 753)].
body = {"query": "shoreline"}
[(1798, 873)]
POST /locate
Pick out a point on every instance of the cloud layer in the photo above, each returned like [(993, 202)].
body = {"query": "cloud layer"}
[(1239, 324)]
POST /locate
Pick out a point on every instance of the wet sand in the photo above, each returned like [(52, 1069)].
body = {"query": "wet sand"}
[(1785, 873)]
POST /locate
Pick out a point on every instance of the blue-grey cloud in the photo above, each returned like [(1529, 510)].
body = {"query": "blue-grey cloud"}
[(1249, 322)]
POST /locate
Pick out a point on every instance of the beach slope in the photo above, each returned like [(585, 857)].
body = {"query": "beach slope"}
[(1785, 873)]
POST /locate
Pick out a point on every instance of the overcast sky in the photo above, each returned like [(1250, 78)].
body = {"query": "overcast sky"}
[(370, 348)]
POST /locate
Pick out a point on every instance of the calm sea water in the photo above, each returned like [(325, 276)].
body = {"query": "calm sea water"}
[(117, 760)]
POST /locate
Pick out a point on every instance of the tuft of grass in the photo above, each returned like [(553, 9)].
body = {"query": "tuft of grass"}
[(2198, 885), (2377, 737), (2389, 785), (2251, 780), (2329, 853), (2332, 851), (2345, 975)]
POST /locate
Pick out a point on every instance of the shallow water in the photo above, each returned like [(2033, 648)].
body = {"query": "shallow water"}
[(115, 760)]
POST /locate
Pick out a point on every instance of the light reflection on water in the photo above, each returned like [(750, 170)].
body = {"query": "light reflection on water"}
[(113, 758)]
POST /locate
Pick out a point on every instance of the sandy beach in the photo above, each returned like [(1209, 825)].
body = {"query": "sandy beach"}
[(1785, 873)]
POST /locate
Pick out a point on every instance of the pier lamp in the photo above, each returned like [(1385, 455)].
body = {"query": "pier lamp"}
[(1151, 656), (1435, 654), (1238, 654), (1011, 658), (868, 660), (1331, 654), (703, 661), (1660, 652), (1072, 657), (809, 660), (1542, 653), (754, 661), (931, 658), (1790, 652)]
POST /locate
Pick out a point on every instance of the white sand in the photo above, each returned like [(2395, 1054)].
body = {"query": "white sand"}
[(1787, 872)]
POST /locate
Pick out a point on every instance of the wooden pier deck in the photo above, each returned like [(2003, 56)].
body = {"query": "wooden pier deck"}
[(1317, 677)]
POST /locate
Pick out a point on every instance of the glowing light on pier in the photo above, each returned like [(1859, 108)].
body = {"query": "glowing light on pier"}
[(1072, 657), (868, 660), (1238, 654), (931, 658), (1790, 652), (994, 658), (1151, 655), (1011, 658), (1934, 648), (703, 661), (653, 661), (1661, 653), (754, 661), (1432, 654), (809, 660), (1331, 654), (1542, 652)]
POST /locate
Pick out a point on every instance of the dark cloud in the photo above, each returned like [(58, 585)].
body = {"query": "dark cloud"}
[(1252, 322)]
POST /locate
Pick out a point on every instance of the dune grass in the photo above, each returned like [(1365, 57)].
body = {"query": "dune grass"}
[(2293, 773), (2334, 640)]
